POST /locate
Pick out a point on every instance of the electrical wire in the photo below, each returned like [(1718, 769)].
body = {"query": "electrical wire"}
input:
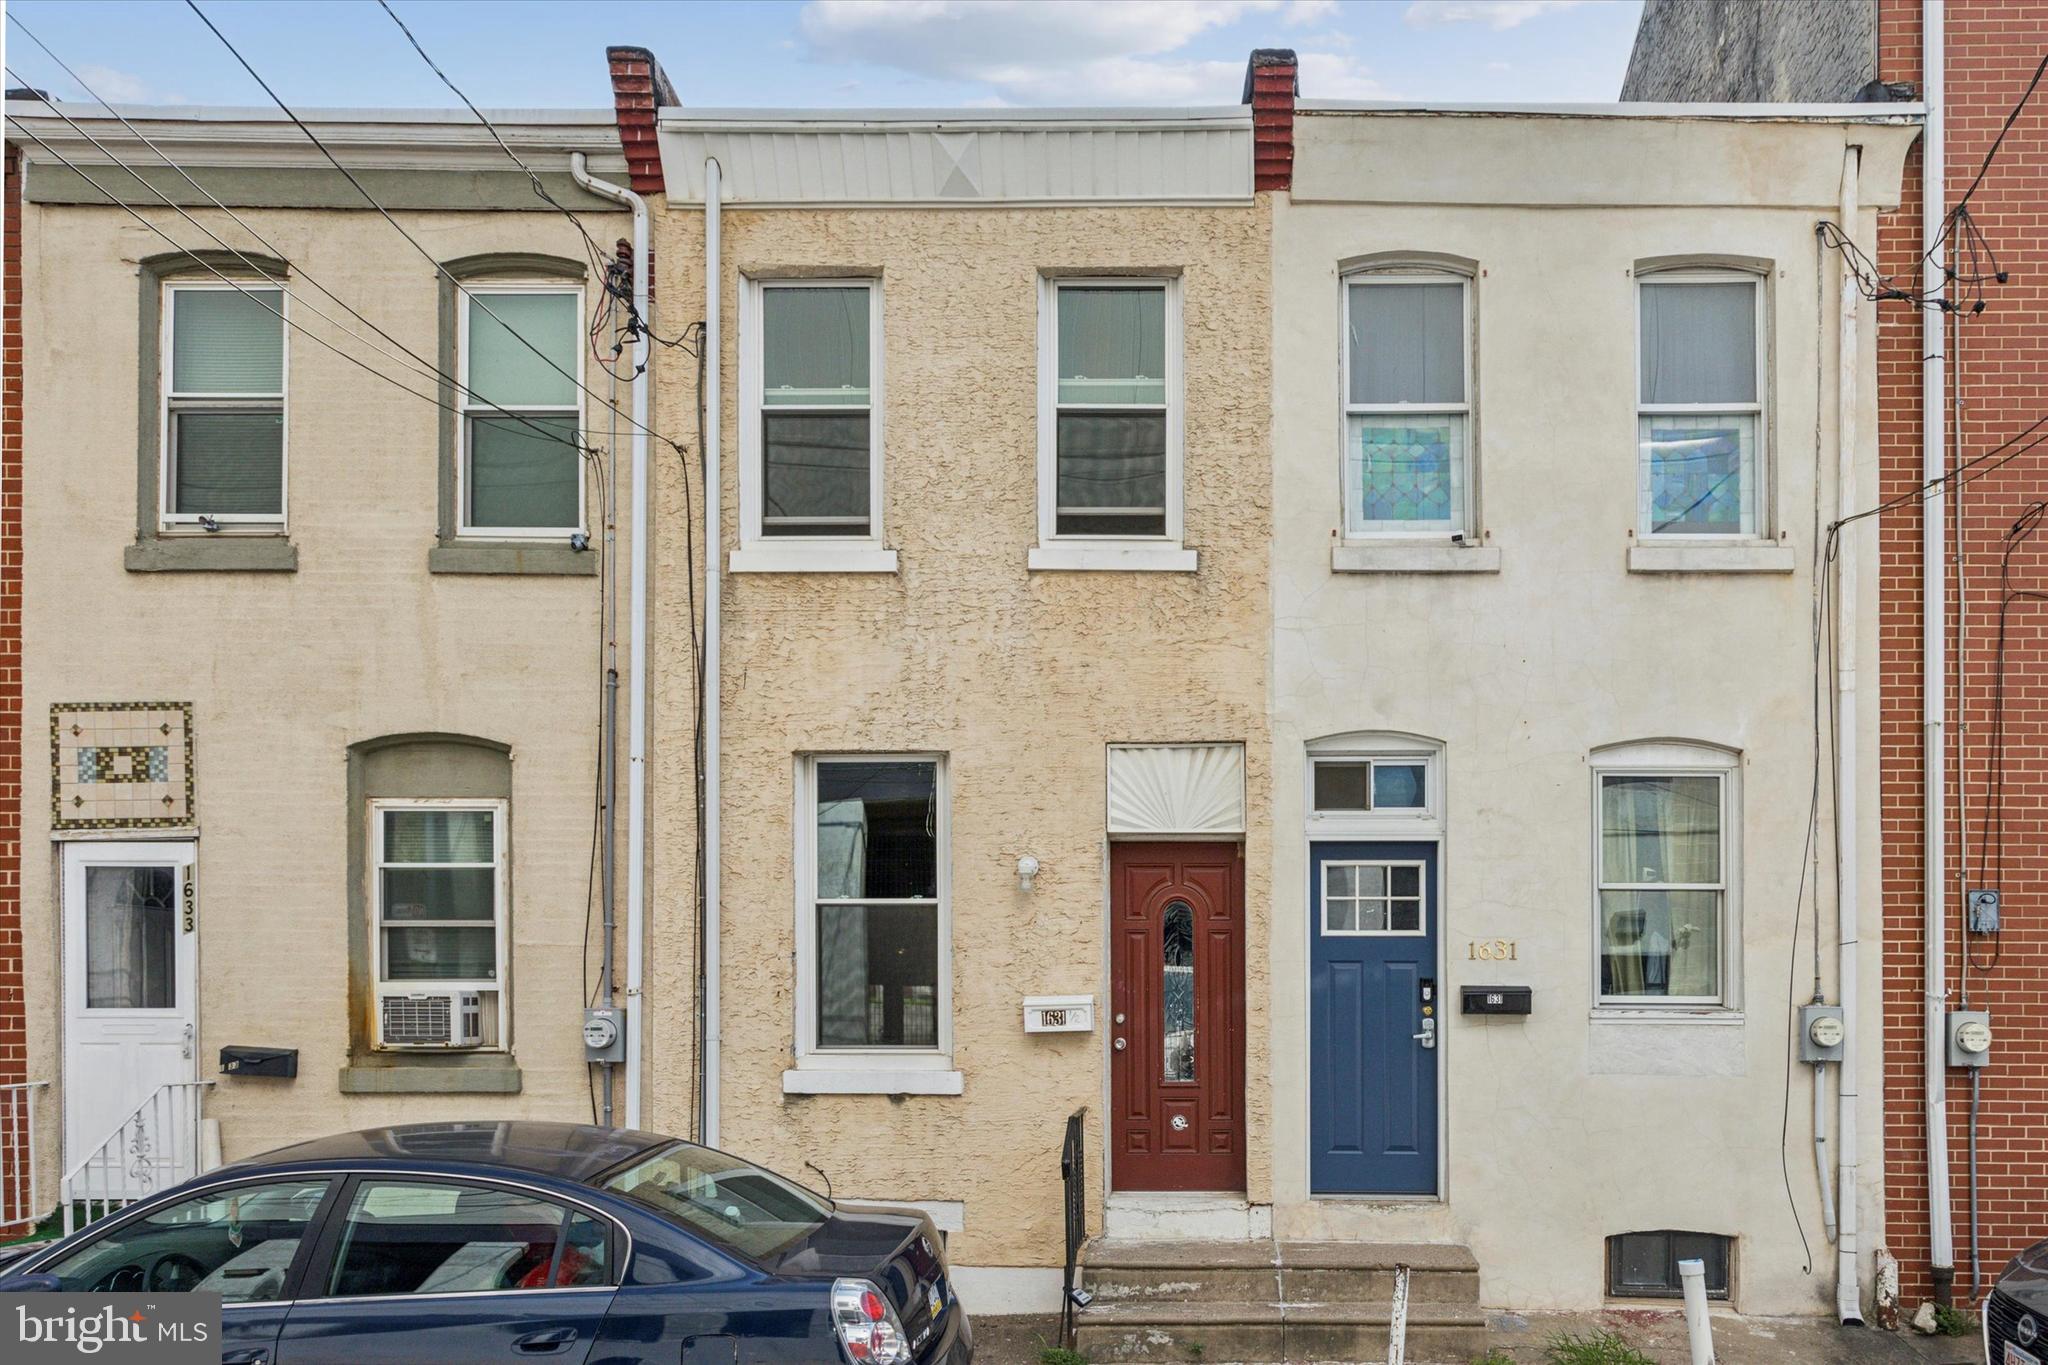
[(398, 227)]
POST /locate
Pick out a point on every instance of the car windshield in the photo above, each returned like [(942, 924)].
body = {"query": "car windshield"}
[(728, 1202)]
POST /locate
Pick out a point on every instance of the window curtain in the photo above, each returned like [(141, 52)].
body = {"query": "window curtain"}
[(225, 341), (130, 939), (1112, 346), (842, 929), (1407, 343), (503, 367), (814, 346), (1698, 343)]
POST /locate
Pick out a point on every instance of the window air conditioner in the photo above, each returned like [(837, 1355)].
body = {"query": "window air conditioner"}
[(432, 1018)]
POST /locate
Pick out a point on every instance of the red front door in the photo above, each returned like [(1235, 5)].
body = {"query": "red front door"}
[(1177, 1016)]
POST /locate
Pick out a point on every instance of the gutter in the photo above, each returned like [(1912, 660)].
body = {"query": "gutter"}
[(707, 1132), (1848, 1284), (1941, 1246), (636, 668)]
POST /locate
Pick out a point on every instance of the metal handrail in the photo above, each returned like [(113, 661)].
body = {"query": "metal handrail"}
[(1074, 1188), (21, 1192), (132, 1162)]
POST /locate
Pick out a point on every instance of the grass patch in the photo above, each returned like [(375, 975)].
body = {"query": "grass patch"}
[(1493, 1358), (1060, 1355), (1597, 1348), (1954, 1322)]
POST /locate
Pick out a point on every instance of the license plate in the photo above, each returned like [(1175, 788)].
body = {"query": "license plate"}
[(2015, 1356), (936, 1297)]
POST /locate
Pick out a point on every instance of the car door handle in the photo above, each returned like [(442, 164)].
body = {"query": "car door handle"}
[(545, 1343), (250, 1355)]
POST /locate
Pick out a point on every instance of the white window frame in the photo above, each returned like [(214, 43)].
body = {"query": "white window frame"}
[(501, 926), (1375, 762), (470, 406), (1759, 409), (1056, 551), (169, 403), (1421, 929), (868, 1070), (1465, 515), (1395, 822), (760, 553), (1674, 759)]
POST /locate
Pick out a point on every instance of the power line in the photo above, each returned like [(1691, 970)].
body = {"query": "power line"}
[(398, 227), (241, 287)]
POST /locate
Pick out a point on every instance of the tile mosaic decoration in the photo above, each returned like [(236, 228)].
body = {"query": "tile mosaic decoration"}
[(120, 765), (1696, 480), (1404, 474)]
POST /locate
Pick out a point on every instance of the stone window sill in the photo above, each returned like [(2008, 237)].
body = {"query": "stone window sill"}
[(811, 559), (1414, 557), (1716, 1016), (541, 558), (212, 554), (1069, 557), (1754, 557), (486, 1074), (842, 1080)]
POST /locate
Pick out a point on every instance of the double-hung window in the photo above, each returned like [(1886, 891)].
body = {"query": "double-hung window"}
[(1665, 870), (1700, 405), (1407, 404), (223, 391), (1110, 411), (813, 467), (873, 904), (521, 471), (438, 920)]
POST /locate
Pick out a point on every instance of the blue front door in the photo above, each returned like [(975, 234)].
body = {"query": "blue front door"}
[(1372, 975)]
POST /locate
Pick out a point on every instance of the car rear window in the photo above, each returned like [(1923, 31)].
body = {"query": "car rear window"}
[(730, 1203)]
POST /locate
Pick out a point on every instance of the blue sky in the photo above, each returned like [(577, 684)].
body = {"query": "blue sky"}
[(542, 53)]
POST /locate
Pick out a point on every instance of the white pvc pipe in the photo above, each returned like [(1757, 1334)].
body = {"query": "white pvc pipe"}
[(1934, 663), (713, 553), (1848, 1293), (1820, 1148), (636, 666), (1699, 1331)]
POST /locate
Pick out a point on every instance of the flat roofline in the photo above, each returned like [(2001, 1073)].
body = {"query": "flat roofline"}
[(680, 116), (229, 113), (1738, 113)]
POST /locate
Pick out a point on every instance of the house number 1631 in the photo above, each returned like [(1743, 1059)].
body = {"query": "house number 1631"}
[(1491, 950)]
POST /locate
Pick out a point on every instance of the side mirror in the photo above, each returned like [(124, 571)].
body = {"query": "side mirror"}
[(30, 1284)]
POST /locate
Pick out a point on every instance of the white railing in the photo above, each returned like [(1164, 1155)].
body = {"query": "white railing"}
[(160, 1145), (21, 1194)]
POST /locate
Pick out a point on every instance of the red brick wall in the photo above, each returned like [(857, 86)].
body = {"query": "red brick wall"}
[(2001, 365), (13, 1011)]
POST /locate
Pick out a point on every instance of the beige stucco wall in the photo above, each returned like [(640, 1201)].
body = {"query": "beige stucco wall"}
[(1021, 679), (1561, 1129), (286, 671)]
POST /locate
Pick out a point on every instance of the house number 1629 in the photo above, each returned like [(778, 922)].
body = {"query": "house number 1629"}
[(1491, 950)]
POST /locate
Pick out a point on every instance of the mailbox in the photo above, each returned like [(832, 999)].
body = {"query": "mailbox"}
[(1496, 999), (260, 1061)]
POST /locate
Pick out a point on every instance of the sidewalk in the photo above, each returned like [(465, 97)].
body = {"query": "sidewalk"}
[(1660, 1336)]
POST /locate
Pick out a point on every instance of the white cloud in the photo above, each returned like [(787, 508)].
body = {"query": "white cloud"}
[(119, 87), (1068, 51), (1495, 14)]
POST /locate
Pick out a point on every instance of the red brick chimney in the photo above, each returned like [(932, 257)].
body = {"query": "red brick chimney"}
[(1271, 81), (639, 87)]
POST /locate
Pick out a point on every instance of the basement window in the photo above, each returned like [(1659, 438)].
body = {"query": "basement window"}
[(1644, 1265)]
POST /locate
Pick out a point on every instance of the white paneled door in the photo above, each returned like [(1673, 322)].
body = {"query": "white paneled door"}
[(130, 1002)]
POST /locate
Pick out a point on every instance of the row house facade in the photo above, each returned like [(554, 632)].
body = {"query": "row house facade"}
[(1264, 655), (1960, 390)]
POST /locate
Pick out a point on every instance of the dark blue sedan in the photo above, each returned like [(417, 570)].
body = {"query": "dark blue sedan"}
[(465, 1243)]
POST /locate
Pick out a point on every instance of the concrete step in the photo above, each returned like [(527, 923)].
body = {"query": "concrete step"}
[(1221, 1332), (1286, 1272)]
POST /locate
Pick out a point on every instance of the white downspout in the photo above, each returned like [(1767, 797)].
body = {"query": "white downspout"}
[(636, 667), (713, 552), (1848, 1287), (1934, 659)]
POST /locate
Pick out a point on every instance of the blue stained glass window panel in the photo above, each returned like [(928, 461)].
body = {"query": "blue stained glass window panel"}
[(1699, 475), (1405, 474)]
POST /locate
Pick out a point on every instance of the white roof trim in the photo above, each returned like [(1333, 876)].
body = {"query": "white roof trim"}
[(237, 113), (867, 120), (1741, 113)]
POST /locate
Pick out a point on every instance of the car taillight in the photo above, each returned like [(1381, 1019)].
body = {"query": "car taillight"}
[(867, 1325)]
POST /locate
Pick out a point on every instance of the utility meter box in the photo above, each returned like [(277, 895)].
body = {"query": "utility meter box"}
[(1969, 1038), (1820, 1033), (604, 1034)]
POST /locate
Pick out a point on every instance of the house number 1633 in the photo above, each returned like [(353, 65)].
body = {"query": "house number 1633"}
[(1491, 950)]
